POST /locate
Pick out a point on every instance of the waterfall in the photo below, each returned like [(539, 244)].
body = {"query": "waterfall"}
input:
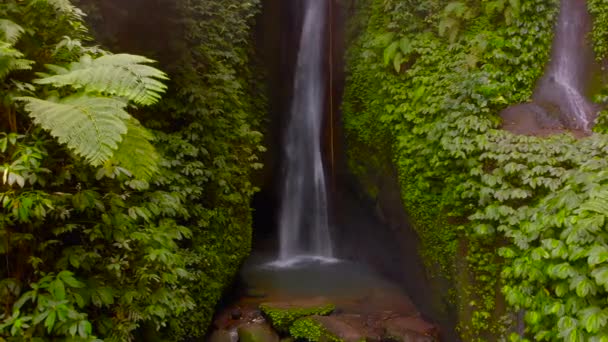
[(303, 219), (564, 84)]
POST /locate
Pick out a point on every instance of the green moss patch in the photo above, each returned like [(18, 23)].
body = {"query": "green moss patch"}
[(283, 315), (327, 329)]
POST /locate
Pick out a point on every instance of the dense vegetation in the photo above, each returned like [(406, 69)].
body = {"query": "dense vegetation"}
[(426, 81), (126, 183), (108, 226)]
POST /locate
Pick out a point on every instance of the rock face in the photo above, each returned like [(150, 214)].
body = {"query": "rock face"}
[(257, 332)]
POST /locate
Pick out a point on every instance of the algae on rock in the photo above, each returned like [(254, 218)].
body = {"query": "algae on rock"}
[(283, 315)]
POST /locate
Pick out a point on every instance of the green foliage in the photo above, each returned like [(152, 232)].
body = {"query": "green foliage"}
[(11, 59), (308, 329), (212, 115), (282, 318), (556, 255), (434, 111), (123, 75), (91, 126), (599, 10), (148, 235), (90, 116)]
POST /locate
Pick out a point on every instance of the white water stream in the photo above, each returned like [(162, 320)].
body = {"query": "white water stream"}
[(565, 81), (303, 220)]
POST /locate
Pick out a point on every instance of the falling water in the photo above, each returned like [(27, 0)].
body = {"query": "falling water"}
[(564, 84), (303, 222)]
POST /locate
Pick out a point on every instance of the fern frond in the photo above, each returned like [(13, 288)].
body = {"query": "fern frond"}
[(91, 126), (62, 6), (10, 60), (9, 31), (120, 75), (136, 154)]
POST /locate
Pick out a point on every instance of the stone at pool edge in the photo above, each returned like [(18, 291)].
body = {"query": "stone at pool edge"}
[(282, 314), (325, 329), (257, 332), (221, 336), (409, 329)]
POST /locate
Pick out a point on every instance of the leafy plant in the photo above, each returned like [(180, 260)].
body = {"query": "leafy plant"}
[(436, 123)]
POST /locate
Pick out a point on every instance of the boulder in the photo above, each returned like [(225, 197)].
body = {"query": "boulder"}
[(529, 119), (325, 329), (409, 329), (283, 314), (223, 336), (257, 332)]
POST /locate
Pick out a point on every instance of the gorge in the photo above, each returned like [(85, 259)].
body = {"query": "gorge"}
[(304, 170)]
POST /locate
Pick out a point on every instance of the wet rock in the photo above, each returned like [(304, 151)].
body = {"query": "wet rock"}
[(236, 314), (283, 314), (529, 119), (258, 332), (223, 336), (409, 329), (325, 328)]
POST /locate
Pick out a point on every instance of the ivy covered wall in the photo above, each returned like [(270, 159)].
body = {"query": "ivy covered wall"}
[(508, 219), (142, 243), (209, 123)]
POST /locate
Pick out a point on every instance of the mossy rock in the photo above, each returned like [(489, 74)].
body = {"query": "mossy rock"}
[(261, 332), (220, 336), (283, 314), (324, 329)]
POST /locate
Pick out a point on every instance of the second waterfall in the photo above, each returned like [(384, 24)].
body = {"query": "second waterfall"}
[(303, 218)]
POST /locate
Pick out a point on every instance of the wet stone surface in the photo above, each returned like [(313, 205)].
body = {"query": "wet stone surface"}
[(364, 308)]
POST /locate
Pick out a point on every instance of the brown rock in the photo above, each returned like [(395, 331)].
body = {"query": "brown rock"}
[(257, 332), (222, 336), (410, 329), (340, 329)]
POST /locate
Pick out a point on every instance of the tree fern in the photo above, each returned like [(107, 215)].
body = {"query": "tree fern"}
[(62, 6), (121, 75), (11, 59), (135, 153), (9, 31), (91, 126)]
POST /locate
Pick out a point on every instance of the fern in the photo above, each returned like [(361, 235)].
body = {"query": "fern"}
[(121, 75), (64, 7), (9, 31), (135, 153), (11, 60), (91, 126)]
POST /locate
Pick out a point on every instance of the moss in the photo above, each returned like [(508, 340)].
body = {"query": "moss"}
[(282, 318), (309, 329)]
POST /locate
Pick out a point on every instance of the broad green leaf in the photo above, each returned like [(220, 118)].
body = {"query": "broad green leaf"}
[(390, 52), (91, 126), (601, 276), (120, 75), (49, 322), (57, 289)]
